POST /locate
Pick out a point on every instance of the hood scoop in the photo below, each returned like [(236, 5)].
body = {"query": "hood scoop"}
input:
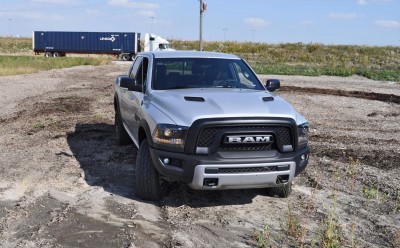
[(267, 98), (194, 99)]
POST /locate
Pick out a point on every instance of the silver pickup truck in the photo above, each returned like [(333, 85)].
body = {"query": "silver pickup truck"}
[(205, 119)]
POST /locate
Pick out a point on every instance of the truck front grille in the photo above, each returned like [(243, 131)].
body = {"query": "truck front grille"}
[(244, 147), (211, 136), (206, 136)]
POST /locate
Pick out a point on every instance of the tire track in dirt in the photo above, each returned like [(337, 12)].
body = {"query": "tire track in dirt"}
[(336, 92)]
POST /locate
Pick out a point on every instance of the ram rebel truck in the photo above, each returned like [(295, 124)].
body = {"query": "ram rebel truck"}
[(205, 119)]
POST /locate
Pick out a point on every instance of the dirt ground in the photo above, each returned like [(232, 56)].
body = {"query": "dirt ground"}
[(64, 182)]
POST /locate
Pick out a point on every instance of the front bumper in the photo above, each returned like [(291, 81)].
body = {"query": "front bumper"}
[(240, 177), (231, 170)]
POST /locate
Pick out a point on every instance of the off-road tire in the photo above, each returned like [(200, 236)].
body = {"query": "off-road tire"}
[(147, 183), (282, 191), (121, 136)]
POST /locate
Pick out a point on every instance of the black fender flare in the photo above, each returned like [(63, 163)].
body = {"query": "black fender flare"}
[(116, 103), (147, 132)]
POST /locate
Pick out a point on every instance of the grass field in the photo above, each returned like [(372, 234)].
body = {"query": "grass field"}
[(15, 58), (379, 63), (15, 45), (15, 65)]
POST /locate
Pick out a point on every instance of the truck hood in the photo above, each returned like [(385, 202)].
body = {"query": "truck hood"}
[(184, 106)]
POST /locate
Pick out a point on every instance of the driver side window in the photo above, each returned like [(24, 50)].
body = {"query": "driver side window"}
[(135, 67), (141, 76), (139, 71)]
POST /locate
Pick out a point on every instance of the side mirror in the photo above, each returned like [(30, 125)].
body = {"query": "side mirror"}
[(272, 84), (129, 83)]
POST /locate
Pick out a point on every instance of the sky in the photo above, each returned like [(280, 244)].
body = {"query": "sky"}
[(353, 22)]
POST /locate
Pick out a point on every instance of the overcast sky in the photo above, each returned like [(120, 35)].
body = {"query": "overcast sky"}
[(362, 22)]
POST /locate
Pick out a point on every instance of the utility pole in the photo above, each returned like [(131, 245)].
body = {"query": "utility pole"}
[(152, 20), (201, 26), (9, 26), (225, 29)]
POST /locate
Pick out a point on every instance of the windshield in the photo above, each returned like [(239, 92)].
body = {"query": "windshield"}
[(163, 46), (180, 73)]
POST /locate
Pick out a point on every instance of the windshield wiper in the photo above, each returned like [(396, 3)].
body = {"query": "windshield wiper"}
[(223, 86), (179, 87)]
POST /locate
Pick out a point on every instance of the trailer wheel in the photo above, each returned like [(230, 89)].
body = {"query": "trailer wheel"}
[(48, 54), (56, 54), (126, 57)]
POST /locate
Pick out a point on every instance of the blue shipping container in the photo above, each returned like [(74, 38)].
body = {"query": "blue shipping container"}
[(86, 42)]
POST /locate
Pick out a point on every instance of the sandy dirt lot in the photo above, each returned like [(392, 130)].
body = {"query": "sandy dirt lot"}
[(64, 182)]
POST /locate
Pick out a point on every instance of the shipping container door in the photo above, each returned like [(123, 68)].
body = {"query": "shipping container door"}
[(129, 42), (39, 42)]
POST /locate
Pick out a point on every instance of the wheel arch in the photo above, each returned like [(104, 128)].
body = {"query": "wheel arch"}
[(144, 133)]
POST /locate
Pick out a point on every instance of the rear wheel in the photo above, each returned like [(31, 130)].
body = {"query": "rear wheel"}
[(148, 181), (282, 191), (48, 54), (56, 54), (126, 57), (121, 135)]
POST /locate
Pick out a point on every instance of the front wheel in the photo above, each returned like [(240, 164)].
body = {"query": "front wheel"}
[(282, 191), (148, 181)]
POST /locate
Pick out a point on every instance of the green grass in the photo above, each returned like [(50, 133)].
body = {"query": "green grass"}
[(378, 63), (15, 65), (262, 237), (9, 45), (16, 57)]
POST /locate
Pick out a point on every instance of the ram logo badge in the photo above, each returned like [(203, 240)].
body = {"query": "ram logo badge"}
[(248, 139)]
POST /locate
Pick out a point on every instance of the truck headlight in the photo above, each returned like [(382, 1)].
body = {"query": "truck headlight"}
[(167, 134), (302, 130)]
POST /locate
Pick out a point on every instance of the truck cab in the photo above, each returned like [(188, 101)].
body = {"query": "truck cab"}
[(154, 42)]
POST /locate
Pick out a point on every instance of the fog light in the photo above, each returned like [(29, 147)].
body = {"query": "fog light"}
[(166, 160), (210, 182)]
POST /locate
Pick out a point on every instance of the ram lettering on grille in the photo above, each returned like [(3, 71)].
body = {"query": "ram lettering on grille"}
[(248, 139)]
